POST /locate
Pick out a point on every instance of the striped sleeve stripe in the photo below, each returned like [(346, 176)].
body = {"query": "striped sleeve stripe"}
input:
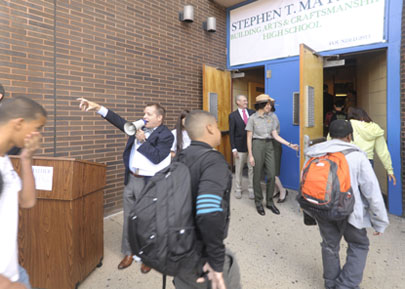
[(208, 206), (208, 201)]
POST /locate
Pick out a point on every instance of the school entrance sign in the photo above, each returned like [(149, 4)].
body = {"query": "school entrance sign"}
[(270, 29)]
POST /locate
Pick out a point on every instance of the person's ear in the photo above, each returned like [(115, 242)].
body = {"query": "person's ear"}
[(160, 118), (210, 128), (17, 123)]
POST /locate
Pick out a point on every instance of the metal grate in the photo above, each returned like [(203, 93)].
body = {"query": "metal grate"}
[(296, 108), (213, 103), (310, 106)]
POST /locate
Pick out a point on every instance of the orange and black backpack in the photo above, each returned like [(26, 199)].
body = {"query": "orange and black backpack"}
[(325, 188)]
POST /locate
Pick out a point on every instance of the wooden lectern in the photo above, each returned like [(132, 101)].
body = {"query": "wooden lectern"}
[(61, 237)]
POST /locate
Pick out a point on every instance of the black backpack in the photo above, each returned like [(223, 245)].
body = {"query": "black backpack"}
[(161, 224)]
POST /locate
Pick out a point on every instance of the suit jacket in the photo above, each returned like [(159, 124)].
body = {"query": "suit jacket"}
[(156, 148), (237, 132)]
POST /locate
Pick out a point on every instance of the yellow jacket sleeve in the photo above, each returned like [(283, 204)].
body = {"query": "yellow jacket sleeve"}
[(382, 151)]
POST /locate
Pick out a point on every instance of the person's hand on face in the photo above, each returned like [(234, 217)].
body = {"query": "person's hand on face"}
[(32, 142)]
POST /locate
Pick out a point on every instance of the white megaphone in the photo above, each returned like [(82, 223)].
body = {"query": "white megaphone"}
[(130, 128)]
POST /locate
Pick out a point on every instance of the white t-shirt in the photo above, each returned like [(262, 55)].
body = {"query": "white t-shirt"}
[(9, 220), (186, 140)]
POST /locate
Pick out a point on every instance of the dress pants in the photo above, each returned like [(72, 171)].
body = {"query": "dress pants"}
[(131, 190), (231, 276), (263, 154), (239, 164), (350, 276)]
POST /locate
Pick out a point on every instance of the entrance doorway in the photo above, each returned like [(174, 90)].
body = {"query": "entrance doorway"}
[(248, 82), (220, 89), (362, 82)]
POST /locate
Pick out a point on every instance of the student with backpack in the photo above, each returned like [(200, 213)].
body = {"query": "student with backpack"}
[(340, 190), (181, 217), (211, 182), (21, 120)]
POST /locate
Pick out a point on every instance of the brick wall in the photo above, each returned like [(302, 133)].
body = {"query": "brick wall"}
[(403, 107), (123, 54)]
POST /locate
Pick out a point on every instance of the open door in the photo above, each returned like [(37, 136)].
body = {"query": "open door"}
[(254, 90), (311, 98), (217, 100)]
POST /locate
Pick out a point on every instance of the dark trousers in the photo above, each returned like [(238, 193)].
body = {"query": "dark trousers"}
[(131, 190), (231, 276), (263, 153), (350, 276)]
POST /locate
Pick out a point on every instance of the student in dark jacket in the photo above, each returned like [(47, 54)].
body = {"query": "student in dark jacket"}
[(145, 153), (237, 134), (211, 181)]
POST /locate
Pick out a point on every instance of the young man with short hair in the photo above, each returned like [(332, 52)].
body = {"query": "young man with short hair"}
[(211, 182), (369, 211), (21, 120)]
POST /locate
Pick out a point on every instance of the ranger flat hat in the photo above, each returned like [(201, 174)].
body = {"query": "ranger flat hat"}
[(263, 98)]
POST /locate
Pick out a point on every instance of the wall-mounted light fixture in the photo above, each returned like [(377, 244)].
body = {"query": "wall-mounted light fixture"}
[(187, 15), (210, 25)]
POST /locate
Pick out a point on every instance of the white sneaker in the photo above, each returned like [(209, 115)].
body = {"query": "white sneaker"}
[(251, 195), (238, 194)]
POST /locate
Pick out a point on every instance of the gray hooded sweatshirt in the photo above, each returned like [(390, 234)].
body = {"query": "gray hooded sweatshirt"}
[(369, 209)]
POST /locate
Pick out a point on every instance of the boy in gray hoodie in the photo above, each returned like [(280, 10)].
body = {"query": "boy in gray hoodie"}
[(369, 211)]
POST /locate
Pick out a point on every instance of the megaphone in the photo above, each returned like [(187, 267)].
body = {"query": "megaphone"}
[(130, 128)]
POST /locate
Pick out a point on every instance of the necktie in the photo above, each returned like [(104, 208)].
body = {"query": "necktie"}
[(245, 118), (147, 130)]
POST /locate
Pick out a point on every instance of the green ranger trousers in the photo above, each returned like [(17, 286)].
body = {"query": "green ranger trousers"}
[(263, 153)]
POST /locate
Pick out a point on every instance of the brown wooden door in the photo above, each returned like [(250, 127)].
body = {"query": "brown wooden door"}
[(255, 89), (311, 98), (217, 100)]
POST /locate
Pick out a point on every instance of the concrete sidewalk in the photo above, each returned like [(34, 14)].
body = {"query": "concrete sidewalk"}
[(273, 252)]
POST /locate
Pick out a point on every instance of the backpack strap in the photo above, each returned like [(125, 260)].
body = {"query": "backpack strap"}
[(348, 151), (164, 281), (202, 153)]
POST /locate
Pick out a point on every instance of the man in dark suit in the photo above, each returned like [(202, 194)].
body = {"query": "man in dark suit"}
[(147, 152), (237, 123)]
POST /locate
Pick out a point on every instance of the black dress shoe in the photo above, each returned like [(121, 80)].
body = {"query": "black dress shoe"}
[(260, 210), (285, 198), (273, 208)]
